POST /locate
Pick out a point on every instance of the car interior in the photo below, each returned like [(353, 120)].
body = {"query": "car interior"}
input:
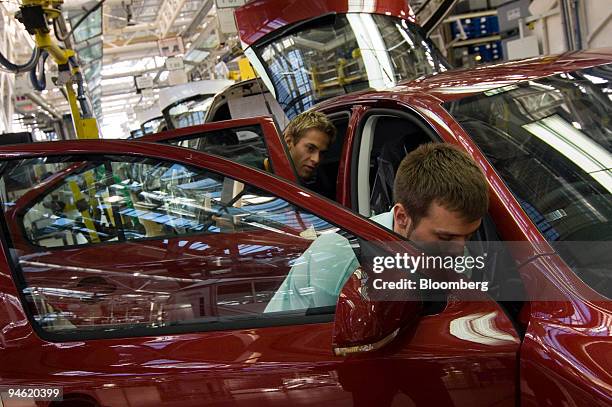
[(327, 172), (386, 139)]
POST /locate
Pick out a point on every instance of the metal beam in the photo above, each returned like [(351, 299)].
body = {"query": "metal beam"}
[(42, 103), (131, 73), (168, 12), (144, 46), (197, 20)]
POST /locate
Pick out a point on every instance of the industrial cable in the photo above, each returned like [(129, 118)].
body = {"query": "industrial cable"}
[(80, 89), (39, 84), (16, 68), (60, 36)]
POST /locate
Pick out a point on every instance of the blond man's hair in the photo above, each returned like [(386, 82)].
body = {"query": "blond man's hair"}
[(303, 122)]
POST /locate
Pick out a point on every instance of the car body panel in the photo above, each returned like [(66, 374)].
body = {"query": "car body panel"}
[(343, 195), (259, 18), (565, 355)]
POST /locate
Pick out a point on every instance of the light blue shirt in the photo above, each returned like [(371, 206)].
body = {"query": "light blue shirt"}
[(318, 275)]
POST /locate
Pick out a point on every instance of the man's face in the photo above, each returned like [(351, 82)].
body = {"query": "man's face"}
[(306, 154), (439, 226)]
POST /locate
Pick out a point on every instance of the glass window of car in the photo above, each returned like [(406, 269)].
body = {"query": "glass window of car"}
[(172, 248), (189, 112), (342, 53), (244, 145), (76, 211), (154, 125), (551, 142)]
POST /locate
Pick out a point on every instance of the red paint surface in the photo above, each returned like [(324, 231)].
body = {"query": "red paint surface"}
[(258, 18)]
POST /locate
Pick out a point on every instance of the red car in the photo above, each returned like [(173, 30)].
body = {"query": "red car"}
[(539, 128), (135, 274)]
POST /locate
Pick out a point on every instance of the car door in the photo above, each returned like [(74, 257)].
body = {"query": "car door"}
[(557, 321), (139, 275), (254, 141)]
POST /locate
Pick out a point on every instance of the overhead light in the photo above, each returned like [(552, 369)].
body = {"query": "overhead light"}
[(595, 79), (196, 55)]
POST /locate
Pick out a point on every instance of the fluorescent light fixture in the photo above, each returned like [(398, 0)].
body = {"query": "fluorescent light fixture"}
[(196, 55), (124, 80), (596, 79), (133, 65)]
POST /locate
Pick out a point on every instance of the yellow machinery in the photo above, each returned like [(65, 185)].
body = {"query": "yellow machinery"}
[(35, 16)]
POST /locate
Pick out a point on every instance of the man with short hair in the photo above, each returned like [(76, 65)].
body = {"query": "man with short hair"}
[(441, 195), (308, 136)]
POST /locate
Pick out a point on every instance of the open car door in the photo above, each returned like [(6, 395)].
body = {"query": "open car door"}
[(134, 274), (255, 142)]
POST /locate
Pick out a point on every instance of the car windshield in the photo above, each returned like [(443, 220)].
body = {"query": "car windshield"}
[(342, 53), (551, 141), (190, 112), (153, 125)]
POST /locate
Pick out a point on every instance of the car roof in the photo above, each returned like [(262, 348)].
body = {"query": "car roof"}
[(459, 83)]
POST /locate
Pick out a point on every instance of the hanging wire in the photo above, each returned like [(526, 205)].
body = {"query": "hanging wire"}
[(11, 67), (39, 84)]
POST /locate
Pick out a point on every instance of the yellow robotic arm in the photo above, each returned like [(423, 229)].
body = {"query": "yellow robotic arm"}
[(35, 16)]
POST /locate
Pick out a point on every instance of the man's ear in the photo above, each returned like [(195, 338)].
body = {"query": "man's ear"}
[(401, 220), (288, 140)]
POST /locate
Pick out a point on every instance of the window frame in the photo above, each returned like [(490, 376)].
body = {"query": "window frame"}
[(402, 112), (277, 150)]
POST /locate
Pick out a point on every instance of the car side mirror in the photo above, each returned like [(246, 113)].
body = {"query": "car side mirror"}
[(363, 324)]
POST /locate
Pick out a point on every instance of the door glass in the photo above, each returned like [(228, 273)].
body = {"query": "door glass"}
[(119, 245), (153, 126), (245, 145)]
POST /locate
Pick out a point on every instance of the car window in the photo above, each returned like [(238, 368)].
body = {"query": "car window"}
[(189, 112), (120, 245), (245, 145), (343, 53), (152, 126), (551, 142), (77, 211)]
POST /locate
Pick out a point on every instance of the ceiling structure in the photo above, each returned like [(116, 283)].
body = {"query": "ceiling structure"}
[(132, 34), (121, 42)]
